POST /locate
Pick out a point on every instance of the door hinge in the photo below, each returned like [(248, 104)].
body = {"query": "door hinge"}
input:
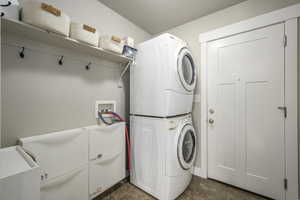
[(285, 184), (285, 40), (284, 109)]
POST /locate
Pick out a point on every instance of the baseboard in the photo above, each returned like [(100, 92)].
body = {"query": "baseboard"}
[(198, 172)]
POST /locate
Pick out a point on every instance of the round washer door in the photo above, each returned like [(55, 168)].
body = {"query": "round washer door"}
[(186, 146), (186, 69)]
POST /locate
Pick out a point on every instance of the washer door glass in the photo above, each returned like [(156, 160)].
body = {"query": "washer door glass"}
[(186, 70), (187, 147)]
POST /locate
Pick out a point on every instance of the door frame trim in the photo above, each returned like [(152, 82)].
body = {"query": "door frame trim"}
[(288, 16)]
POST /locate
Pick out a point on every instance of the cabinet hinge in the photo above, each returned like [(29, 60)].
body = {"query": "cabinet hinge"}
[(285, 40), (284, 109), (285, 184)]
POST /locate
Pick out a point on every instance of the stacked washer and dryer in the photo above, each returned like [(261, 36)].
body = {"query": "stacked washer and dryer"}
[(163, 140)]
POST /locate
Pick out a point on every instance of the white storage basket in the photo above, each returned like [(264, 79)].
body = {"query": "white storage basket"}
[(9, 9), (46, 16), (84, 33), (112, 43)]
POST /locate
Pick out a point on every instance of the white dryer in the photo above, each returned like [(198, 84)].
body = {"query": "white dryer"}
[(163, 80), (163, 154)]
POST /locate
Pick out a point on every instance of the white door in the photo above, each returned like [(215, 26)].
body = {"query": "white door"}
[(246, 127)]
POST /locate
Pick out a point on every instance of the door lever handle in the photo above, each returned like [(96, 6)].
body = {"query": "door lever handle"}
[(284, 109)]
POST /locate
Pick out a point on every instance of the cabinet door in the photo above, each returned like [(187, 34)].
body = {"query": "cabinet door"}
[(104, 173), (71, 186), (107, 157), (106, 141), (246, 128), (58, 153)]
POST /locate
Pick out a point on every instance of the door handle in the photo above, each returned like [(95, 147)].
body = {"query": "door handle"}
[(284, 109)]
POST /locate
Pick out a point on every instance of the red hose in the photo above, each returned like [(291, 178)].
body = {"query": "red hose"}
[(127, 137)]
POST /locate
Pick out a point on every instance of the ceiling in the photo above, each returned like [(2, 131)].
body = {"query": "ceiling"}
[(156, 16)]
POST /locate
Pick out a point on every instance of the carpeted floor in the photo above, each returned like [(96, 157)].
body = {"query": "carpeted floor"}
[(199, 189)]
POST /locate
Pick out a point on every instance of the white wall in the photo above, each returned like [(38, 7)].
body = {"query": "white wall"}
[(39, 96), (191, 30)]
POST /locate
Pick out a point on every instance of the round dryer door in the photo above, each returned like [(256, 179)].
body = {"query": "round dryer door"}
[(186, 149), (186, 69)]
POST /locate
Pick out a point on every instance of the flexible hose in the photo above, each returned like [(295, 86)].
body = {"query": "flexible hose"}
[(126, 133), (100, 114)]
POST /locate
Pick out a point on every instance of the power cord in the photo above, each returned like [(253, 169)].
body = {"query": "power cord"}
[(117, 118), (100, 114)]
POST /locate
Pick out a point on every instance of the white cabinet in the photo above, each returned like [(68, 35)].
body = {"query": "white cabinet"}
[(58, 153), (79, 164), (63, 158), (107, 157), (19, 175)]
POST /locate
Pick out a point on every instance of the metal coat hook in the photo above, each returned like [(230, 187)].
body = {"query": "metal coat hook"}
[(61, 60), (21, 53), (6, 5), (88, 66)]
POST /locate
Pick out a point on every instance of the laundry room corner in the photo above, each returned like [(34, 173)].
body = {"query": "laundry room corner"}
[(191, 31)]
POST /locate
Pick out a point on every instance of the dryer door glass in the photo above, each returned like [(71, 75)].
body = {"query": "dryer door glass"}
[(186, 70), (187, 147)]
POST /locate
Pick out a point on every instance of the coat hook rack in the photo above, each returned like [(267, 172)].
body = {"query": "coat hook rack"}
[(61, 60), (88, 66), (21, 53)]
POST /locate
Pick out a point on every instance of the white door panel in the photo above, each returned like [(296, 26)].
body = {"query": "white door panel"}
[(246, 128)]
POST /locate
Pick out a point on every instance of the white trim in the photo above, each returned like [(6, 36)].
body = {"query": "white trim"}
[(203, 110), (197, 171), (289, 17), (274, 17), (0, 86), (291, 102)]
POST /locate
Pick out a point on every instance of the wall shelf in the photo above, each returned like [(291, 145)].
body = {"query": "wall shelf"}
[(38, 34)]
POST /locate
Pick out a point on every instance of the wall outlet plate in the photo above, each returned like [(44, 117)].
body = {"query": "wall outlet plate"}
[(105, 106)]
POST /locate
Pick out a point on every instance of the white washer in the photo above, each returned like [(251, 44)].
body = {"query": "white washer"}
[(163, 80), (163, 153)]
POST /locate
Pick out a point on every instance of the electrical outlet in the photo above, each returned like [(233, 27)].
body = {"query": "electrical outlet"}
[(104, 106)]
